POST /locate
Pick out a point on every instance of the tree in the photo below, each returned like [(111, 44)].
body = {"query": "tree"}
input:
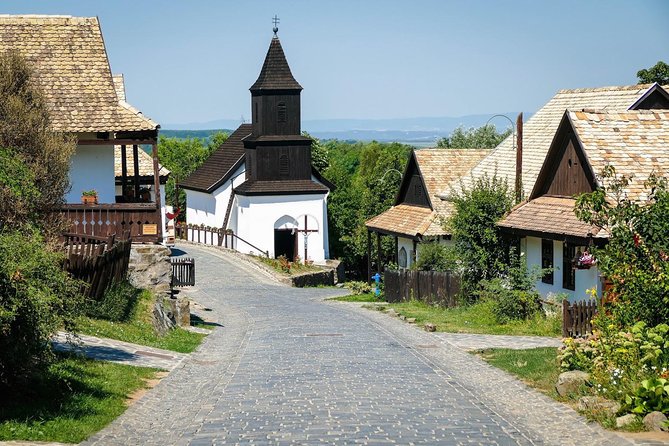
[(25, 128), (636, 258), (479, 244), (182, 157), (320, 159), (657, 73), (484, 137)]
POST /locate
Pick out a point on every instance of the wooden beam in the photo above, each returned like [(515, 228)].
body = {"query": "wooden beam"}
[(396, 255), (115, 142), (156, 185), (369, 256), (135, 160), (378, 253), (519, 158), (124, 170)]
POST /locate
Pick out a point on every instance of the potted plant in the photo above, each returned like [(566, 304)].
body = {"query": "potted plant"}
[(89, 196), (585, 260)]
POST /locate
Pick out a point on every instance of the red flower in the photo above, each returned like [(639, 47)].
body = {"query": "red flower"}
[(637, 240)]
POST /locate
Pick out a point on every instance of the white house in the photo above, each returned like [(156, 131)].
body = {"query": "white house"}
[(260, 184), (635, 142), (70, 63), (418, 213)]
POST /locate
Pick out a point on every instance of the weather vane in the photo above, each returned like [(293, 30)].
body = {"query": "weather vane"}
[(275, 20)]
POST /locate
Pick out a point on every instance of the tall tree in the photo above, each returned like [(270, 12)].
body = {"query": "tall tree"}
[(657, 73), (25, 129), (484, 137)]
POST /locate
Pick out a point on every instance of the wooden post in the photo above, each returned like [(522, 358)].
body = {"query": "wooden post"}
[(156, 186), (378, 252), (414, 255), (396, 255), (124, 170), (369, 256), (135, 160), (519, 157)]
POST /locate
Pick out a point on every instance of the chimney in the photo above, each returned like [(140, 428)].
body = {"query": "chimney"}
[(519, 157)]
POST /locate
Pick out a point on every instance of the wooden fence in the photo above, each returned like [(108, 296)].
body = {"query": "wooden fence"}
[(100, 262), (433, 287), (209, 235), (577, 318), (183, 271)]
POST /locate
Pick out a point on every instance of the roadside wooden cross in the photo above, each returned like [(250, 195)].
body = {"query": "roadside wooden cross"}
[(306, 231)]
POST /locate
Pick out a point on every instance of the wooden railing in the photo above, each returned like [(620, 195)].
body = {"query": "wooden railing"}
[(577, 318), (209, 235), (100, 262), (141, 220), (433, 287)]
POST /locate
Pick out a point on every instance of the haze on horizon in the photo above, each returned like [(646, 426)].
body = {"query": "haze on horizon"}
[(190, 62)]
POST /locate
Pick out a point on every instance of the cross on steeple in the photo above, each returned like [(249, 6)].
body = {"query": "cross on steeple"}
[(275, 20)]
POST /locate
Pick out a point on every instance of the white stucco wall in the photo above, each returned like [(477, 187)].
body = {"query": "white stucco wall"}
[(92, 167), (256, 217), (209, 209), (585, 278), (407, 244)]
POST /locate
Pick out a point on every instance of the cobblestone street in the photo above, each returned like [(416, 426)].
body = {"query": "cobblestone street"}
[(287, 367)]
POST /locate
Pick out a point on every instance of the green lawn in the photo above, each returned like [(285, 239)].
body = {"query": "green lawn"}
[(138, 329), (367, 297), (475, 318), (537, 367), (75, 398)]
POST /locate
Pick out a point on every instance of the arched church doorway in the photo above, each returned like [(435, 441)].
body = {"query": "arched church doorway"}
[(285, 237)]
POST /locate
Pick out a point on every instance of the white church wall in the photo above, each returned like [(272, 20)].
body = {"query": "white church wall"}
[(257, 215), (92, 167)]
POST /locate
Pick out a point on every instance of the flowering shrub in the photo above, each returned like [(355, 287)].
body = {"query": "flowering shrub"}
[(358, 288)]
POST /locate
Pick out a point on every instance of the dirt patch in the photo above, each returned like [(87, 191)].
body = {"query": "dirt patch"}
[(148, 385), (662, 437)]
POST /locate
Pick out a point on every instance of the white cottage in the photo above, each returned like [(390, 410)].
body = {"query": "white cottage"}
[(635, 142), (418, 213), (70, 64), (260, 185)]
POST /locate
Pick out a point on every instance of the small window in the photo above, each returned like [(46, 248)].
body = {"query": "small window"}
[(547, 260), (568, 273), (402, 258), (281, 107), (283, 165)]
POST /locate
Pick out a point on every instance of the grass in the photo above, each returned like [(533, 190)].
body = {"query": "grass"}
[(476, 318), (537, 367), (73, 399), (367, 297), (138, 329)]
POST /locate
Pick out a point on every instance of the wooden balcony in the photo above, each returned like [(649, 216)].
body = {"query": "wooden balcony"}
[(142, 220)]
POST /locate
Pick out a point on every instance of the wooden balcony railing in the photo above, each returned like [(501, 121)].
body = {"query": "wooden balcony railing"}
[(141, 220)]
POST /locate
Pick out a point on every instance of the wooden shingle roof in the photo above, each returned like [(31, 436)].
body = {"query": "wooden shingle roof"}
[(70, 62), (221, 164), (275, 73), (438, 168), (636, 143), (539, 130), (145, 163)]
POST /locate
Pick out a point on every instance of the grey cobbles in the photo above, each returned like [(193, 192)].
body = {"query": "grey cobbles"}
[(287, 368)]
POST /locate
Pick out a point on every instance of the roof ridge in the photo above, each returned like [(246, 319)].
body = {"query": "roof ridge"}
[(606, 88)]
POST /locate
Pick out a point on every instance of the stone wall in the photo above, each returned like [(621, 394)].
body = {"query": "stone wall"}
[(150, 268)]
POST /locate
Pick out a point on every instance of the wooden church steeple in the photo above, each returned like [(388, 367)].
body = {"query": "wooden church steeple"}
[(278, 157)]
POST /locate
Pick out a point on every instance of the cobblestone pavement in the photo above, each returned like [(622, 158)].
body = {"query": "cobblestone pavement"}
[(118, 351), (467, 341), (287, 367)]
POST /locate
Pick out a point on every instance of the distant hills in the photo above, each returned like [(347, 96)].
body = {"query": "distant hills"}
[(425, 130)]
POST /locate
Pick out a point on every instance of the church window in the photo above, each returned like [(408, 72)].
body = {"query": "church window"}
[(283, 165), (402, 258), (282, 112)]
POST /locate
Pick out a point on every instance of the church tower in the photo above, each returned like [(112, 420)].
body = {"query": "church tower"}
[(278, 157)]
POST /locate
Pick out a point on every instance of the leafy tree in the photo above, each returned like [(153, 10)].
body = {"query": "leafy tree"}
[(319, 153), (357, 170), (636, 257), (433, 256), (25, 128), (484, 137), (657, 73), (479, 244), (182, 157)]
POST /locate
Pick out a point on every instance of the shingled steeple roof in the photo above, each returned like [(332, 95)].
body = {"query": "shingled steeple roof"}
[(275, 73)]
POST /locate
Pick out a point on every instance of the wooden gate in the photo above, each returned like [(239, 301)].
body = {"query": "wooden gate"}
[(183, 271)]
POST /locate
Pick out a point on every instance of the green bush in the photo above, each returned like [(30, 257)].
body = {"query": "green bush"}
[(433, 256), (480, 247), (358, 288), (116, 305), (510, 304), (652, 395), (36, 298)]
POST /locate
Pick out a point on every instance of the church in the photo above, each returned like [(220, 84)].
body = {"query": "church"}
[(260, 183)]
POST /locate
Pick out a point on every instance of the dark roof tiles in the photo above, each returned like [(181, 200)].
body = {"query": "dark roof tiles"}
[(275, 73)]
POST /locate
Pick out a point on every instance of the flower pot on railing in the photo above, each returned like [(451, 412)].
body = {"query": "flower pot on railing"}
[(89, 197)]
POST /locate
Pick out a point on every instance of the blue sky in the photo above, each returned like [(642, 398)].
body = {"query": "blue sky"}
[(193, 61)]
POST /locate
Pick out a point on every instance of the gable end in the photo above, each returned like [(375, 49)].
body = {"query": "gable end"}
[(656, 98), (412, 189)]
